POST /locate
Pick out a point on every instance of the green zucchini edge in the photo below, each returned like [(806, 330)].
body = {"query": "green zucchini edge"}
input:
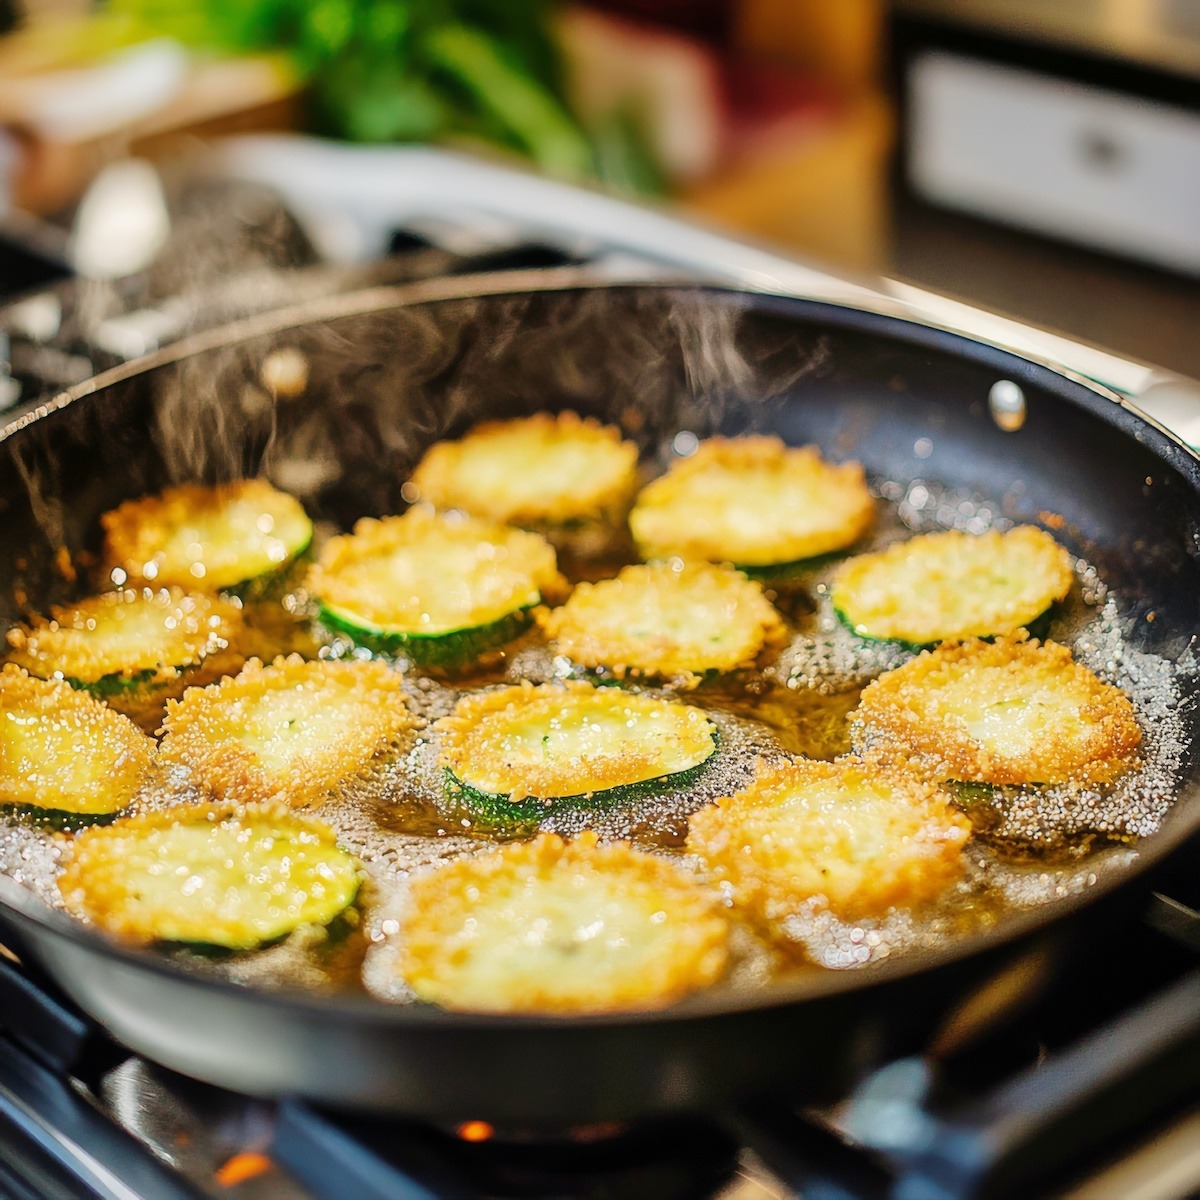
[(1038, 628), (263, 585), (530, 812), (116, 682), (635, 679), (454, 648), (337, 926), (783, 572), (61, 820)]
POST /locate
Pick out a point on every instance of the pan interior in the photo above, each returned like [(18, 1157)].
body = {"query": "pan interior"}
[(375, 387)]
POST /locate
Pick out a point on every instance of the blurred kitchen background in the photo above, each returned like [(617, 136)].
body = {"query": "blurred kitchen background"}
[(1037, 157)]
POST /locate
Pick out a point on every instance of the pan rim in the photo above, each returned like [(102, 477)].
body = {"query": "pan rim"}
[(894, 314), (1100, 401)]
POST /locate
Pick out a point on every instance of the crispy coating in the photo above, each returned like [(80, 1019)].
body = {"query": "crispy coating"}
[(63, 751), (218, 875), (1012, 711), (952, 585), (573, 739), (538, 472), (863, 837), (556, 927), (126, 633), (427, 574), (291, 731), (754, 502), (208, 538), (671, 619)]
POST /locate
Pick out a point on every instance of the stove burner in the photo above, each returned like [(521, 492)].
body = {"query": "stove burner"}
[(380, 1160)]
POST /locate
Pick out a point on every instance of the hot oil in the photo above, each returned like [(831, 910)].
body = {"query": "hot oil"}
[(1031, 845), (803, 721)]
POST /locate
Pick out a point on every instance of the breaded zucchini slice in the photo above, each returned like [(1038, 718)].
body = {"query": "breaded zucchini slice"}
[(560, 927), (228, 877), (943, 587), (753, 502), (863, 837), (1012, 711), (441, 589), (62, 752), (545, 472), (669, 619), (291, 731), (517, 753), (132, 647), (209, 538)]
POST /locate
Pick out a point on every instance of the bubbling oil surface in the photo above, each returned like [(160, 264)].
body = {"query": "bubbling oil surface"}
[(1030, 847)]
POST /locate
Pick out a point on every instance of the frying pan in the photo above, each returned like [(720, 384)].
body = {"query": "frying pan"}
[(389, 371)]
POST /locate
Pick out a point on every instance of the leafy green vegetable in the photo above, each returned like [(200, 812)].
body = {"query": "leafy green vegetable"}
[(495, 81), (624, 159), (405, 70)]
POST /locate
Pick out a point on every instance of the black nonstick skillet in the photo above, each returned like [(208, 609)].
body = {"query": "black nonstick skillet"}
[(387, 372)]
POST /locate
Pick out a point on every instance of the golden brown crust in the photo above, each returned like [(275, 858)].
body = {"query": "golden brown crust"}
[(63, 751), (863, 837), (391, 574), (135, 648), (168, 638), (951, 585), (754, 502), (206, 538), (540, 471), (1012, 711), (558, 740), (290, 731), (253, 874), (560, 927), (673, 620), (146, 704)]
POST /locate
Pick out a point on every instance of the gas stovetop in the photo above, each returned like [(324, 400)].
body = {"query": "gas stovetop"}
[(1088, 1088)]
